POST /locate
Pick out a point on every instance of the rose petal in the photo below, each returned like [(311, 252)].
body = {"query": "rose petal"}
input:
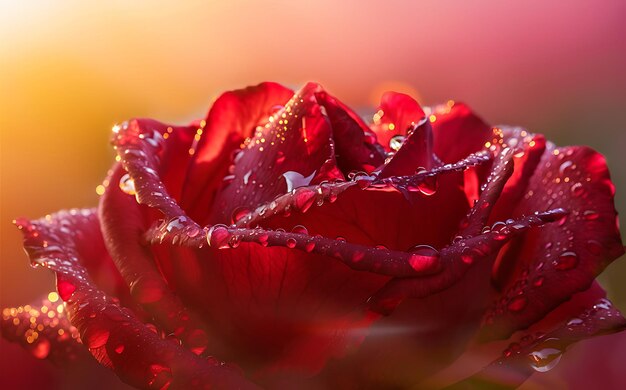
[(300, 201), (528, 151), (123, 225), (112, 333), (294, 149), (541, 353), (355, 146), (547, 266), (396, 115), (458, 132), (232, 118), (456, 259), (415, 153)]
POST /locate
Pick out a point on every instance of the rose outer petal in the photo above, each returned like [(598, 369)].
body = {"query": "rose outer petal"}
[(112, 333), (552, 264), (541, 352)]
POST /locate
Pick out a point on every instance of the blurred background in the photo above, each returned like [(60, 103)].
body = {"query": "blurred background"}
[(72, 69)]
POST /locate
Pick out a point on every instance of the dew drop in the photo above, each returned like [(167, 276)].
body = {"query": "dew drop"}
[(291, 242), (564, 166), (574, 322), (262, 238), (175, 224), (119, 349), (428, 186), (127, 184), (591, 215), (545, 357), (538, 281), (299, 229), (309, 246), (577, 189), (304, 199), (239, 213), (218, 236), (604, 304), (594, 247), (234, 241), (423, 257), (566, 261), (517, 303), (395, 143)]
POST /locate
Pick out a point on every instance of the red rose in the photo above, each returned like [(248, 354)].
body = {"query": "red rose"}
[(284, 236)]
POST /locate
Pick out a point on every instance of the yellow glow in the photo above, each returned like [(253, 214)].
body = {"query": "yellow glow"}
[(99, 190), (53, 297)]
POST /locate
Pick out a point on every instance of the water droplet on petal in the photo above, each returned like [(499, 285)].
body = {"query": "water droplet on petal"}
[(299, 229), (218, 236), (538, 281), (591, 215), (564, 166), (239, 213), (428, 186), (574, 322), (395, 143), (234, 241), (119, 349), (423, 257), (304, 199), (545, 357), (127, 184), (291, 242), (566, 261), (262, 238), (175, 224), (594, 247), (577, 189), (309, 246)]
